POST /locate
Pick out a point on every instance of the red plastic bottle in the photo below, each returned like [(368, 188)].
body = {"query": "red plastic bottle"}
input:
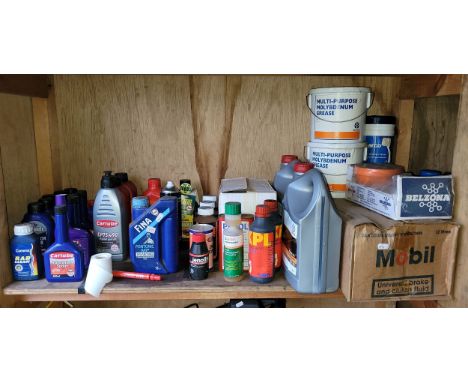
[(277, 221), (123, 176), (262, 246), (154, 190)]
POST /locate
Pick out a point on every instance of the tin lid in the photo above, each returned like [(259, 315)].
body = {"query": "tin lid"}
[(206, 211), (198, 237), (23, 229), (287, 158), (209, 198)]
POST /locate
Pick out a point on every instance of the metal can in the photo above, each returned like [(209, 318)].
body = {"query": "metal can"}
[(207, 230)]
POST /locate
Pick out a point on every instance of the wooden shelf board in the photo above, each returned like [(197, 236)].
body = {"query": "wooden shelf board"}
[(173, 287)]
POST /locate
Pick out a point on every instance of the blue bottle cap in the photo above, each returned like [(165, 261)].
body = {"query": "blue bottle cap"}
[(427, 172), (140, 202)]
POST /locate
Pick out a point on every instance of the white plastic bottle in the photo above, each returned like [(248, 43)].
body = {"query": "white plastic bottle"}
[(110, 219), (233, 243)]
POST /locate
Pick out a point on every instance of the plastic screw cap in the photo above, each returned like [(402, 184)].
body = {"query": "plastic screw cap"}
[(232, 208), (303, 167), (198, 237), (287, 158), (262, 211), (272, 204), (23, 229), (154, 183)]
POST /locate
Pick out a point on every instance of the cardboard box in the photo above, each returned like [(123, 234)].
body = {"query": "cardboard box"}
[(413, 197), (383, 259), (248, 191)]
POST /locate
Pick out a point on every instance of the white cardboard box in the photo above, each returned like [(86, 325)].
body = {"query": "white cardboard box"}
[(248, 191), (414, 197)]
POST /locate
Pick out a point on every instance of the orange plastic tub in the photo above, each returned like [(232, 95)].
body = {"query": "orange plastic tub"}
[(375, 175)]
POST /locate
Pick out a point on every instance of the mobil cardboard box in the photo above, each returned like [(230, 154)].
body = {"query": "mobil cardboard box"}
[(248, 191), (384, 259)]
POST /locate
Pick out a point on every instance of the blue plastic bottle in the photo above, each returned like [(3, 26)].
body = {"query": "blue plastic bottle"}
[(63, 261), (26, 257), (154, 241), (80, 237), (42, 222)]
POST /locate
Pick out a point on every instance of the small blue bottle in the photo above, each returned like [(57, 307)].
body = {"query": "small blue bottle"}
[(139, 205), (26, 257), (42, 222), (63, 261)]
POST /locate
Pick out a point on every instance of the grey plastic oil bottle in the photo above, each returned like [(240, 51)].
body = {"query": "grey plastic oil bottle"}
[(285, 174), (312, 235), (110, 219)]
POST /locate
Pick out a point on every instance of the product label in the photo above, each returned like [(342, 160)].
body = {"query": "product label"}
[(107, 223), (289, 251), (290, 225), (233, 255), (107, 241), (244, 226), (25, 262), (198, 266), (261, 254), (403, 286), (62, 264), (278, 245), (41, 230), (209, 239), (378, 149), (323, 160), (187, 203)]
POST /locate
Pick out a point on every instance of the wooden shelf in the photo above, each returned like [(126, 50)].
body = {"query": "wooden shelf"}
[(174, 287)]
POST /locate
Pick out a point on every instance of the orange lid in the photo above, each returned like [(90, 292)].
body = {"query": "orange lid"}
[(372, 169), (303, 167)]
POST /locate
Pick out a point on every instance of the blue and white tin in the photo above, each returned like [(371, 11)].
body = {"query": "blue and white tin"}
[(379, 134)]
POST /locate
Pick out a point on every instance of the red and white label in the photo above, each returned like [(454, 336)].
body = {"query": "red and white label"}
[(62, 264), (107, 223)]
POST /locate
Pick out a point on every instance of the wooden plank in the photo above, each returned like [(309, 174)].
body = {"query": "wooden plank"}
[(404, 131), (460, 160), (5, 272), (43, 148), (18, 155), (433, 133), (415, 86), (33, 85), (176, 286)]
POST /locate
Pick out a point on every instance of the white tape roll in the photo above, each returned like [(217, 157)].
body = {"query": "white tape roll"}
[(99, 273)]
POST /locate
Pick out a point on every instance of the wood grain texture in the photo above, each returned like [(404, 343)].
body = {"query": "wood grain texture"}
[(43, 148), (430, 85), (201, 127), (404, 130), (5, 272), (32, 85), (18, 155), (460, 160), (433, 133)]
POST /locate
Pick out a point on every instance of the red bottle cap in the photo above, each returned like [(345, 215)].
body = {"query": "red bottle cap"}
[(198, 237), (288, 158), (272, 205), (303, 167), (262, 211), (154, 183)]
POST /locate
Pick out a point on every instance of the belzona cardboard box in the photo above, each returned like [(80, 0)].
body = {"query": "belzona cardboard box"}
[(384, 259)]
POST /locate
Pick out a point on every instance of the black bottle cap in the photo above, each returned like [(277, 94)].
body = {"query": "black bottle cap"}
[(70, 190), (106, 180), (381, 119), (123, 176), (185, 181), (58, 192), (60, 210), (116, 181), (73, 198), (36, 207), (48, 203)]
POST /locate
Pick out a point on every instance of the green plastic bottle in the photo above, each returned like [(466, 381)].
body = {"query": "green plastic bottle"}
[(233, 243)]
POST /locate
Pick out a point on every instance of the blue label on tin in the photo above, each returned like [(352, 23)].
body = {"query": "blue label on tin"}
[(426, 196), (379, 149)]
